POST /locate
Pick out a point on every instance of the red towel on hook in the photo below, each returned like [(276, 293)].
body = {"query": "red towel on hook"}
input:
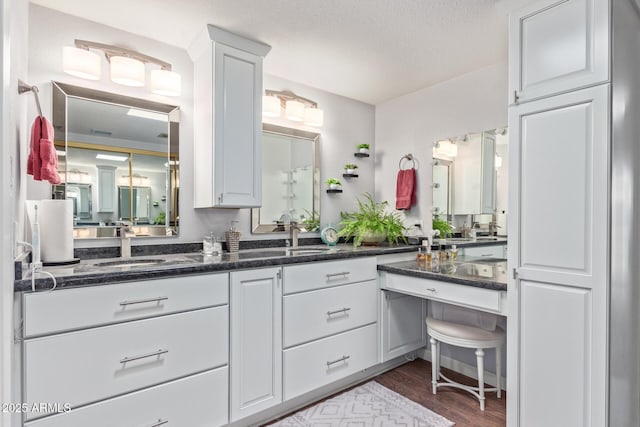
[(43, 159), (406, 188)]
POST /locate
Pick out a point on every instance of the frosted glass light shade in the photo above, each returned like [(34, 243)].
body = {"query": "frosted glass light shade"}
[(446, 148), (81, 63), (313, 117), (270, 106), (127, 71), (165, 82), (498, 161), (295, 111)]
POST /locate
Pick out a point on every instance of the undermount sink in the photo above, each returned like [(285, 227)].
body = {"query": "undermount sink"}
[(130, 263)]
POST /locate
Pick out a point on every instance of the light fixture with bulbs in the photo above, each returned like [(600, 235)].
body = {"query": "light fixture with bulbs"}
[(135, 180), (294, 107), (127, 67), (446, 148)]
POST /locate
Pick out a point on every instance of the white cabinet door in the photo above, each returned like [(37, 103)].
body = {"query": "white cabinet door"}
[(106, 189), (227, 120), (256, 341), (402, 324), (560, 151), (558, 244), (557, 46)]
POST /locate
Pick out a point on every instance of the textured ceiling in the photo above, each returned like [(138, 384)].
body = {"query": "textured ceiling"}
[(369, 50)]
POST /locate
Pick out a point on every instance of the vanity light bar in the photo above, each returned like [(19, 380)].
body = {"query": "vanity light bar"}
[(111, 157), (295, 108)]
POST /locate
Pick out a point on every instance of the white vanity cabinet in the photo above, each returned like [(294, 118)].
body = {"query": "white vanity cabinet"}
[(227, 119), (559, 203), (122, 352), (330, 322), (107, 200), (556, 46), (256, 340)]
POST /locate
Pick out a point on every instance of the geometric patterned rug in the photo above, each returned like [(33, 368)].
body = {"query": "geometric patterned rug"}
[(369, 405)]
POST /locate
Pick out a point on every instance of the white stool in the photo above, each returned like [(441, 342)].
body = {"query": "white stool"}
[(468, 337)]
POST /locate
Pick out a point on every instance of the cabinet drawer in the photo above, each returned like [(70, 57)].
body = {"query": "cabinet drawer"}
[(304, 277), (485, 251), (467, 296), (315, 314), (69, 309), (94, 364), (204, 394), (321, 362)]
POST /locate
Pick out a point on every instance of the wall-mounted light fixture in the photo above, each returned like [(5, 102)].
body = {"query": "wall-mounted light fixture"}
[(445, 147), (295, 108), (127, 67), (77, 176), (136, 180)]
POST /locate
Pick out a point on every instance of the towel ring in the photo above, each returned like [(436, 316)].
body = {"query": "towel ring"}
[(408, 158)]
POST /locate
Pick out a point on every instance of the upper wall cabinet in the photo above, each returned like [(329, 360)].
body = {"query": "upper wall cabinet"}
[(556, 46), (227, 119)]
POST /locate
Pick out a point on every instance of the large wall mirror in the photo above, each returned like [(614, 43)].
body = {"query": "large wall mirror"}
[(470, 174), (118, 158), (290, 181)]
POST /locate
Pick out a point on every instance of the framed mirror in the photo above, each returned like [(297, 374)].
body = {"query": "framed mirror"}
[(290, 180), (118, 157), (470, 174)]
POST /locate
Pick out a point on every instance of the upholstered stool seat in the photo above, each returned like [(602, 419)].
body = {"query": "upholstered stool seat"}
[(468, 337)]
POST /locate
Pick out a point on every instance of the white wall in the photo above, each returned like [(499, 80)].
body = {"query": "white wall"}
[(13, 66), (347, 122), (412, 123)]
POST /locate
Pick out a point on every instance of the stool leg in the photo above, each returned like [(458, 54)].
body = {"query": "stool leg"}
[(480, 359), (434, 365), (498, 369)]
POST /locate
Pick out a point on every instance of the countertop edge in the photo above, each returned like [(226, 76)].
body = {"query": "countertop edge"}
[(494, 286)]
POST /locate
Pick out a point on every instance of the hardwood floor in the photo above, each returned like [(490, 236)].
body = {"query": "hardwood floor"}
[(413, 381)]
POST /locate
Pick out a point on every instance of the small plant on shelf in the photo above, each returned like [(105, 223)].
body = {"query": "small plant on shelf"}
[(364, 147), (334, 183), (350, 168)]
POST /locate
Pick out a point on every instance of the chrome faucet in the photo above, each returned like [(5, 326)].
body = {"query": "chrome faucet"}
[(126, 233), (294, 228)]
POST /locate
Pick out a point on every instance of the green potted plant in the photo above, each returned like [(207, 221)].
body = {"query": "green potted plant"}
[(442, 226), (350, 168), (334, 183), (311, 222), (364, 148), (371, 224)]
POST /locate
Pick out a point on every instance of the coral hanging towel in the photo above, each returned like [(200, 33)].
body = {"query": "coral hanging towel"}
[(43, 159), (406, 189)]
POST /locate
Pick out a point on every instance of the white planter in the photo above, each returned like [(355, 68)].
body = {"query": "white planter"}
[(334, 186), (350, 171), (364, 150)]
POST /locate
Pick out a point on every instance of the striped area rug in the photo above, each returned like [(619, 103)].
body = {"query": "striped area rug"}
[(368, 405)]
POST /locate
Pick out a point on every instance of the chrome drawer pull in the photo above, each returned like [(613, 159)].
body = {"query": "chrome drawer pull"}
[(342, 359), (160, 422), (142, 301), (342, 310), (432, 290), (143, 356), (332, 275)]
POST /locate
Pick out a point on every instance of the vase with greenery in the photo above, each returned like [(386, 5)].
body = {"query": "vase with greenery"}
[(446, 230), (371, 223), (334, 183), (363, 148), (350, 168)]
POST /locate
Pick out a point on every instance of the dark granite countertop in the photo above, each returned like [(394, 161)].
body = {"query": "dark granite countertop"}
[(95, 272), (471, 271)]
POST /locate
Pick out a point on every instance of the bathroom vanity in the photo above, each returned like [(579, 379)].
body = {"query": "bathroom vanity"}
[(239, 338)]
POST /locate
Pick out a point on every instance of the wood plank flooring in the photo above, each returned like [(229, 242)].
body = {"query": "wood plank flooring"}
[(413, 381)]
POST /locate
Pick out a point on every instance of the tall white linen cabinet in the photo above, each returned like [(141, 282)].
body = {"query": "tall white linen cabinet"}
[(573, 339)]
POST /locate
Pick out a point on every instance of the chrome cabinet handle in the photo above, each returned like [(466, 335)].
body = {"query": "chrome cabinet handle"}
[(143, 356), (142, 301), (332, 275), (342, 310), (342, 359), (160, 422), (432, 290)]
